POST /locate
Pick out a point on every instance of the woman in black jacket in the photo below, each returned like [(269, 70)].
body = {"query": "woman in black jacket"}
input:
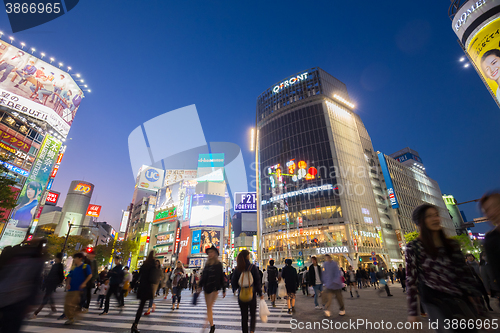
[(147, 288), (212, 280), (244, 267), (289, 274)]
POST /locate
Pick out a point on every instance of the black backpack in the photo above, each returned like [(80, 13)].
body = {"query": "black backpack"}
[(272, 274)]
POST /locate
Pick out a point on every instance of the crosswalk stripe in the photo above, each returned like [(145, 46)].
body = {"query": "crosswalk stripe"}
[(186, 319)]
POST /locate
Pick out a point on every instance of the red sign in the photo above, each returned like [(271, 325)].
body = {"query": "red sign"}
[(54, 172), (39, 212), (147, 239), (14, 142), (52, 198), (59, 158), (94, 210), (184, 244), (177, 239)]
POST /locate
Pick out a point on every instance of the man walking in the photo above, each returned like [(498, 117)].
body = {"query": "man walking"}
[(76, 282), (272, 279), (115, 279), (401, 275), (332, 279), (54, 278), (490, 204), (90, 260), (315, 280)]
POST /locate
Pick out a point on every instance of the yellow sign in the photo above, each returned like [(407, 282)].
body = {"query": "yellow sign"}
[(484, 50)]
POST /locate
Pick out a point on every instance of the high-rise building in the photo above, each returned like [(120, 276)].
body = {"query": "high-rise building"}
[(455, 214), (320, 190), (410, 186)]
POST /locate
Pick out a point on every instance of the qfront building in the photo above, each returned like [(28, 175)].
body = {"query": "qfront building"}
[(320, 187)]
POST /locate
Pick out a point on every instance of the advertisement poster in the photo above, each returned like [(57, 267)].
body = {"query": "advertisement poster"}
[(484, 51), (184, 244), (93, 210), (151, 179), (38, 89), (195, 243), (168, 196), (31, 193), (174, 176), (209, 238), (210, 167), (207, 211)]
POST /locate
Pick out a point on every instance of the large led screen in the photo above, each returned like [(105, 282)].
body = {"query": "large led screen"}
[(207, 211), (38, 89), (168, 196)]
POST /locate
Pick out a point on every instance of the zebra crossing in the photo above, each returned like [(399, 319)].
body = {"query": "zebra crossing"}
[(187, 319)]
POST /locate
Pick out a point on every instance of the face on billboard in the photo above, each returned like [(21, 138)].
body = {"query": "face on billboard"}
[(209, 238), (168, 196), (33, 87), (484, 51), (31, 193)]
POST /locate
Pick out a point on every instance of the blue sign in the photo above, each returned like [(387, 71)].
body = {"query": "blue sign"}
[(388, 181), (15, 169), (211, 160), (152, 175), (195, 243), (408, 156), (195, 262), (49, 185), (245, 202), (300, 253)]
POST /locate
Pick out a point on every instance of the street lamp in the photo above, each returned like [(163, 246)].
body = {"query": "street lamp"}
[(69, 230)]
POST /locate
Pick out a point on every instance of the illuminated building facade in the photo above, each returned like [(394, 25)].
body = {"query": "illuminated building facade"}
[(320, 189)]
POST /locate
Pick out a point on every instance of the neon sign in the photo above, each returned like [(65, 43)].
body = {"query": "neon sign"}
[(295, 193), (289, 82), (166, 214), (296, 171)]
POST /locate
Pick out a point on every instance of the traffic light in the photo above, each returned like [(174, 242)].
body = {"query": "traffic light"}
[(360, 259), (299, 262), (89, 249)]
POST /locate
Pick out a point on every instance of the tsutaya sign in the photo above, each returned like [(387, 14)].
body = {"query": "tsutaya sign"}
[(289, 82), (333, 249)]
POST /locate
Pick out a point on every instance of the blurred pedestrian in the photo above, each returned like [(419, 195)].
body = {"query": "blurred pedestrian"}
[(474, 268), (272, 280), (315, 280), (54, 279), (351, 278), (21, 269), (246, 279), (127, 278), (289, 274), (87, 296), (487, 276), (155, 279), (212, 280), (75, 284), (401, 274), (436, 271), (177, 275), (490, 204), (103, 290), (115, 279), (333, 285), (146, 287)]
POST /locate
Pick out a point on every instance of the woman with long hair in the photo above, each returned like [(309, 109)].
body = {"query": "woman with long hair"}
[(23, 213), (147, 288), (436, 271), (242, 278), (177, 274), (212, 280)]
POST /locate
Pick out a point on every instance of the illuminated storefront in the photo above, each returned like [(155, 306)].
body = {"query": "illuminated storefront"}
[(318, 181)]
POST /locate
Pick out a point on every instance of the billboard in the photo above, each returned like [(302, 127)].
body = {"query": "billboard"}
[(211, 167), (52, 198), (124, 222), (150, 178), (38, 89), (245, 202), (388, 181), (93, 210), (477, 25), (81, 188), (31, 193), (195, 242), (174, 176), (207, 211), (209, 238), (168, 196), (184, 244)]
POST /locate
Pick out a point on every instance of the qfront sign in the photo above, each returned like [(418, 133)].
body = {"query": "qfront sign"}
[(332, 250), (289, 82)]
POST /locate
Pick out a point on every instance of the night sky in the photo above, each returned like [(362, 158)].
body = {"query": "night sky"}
[(399, 60)]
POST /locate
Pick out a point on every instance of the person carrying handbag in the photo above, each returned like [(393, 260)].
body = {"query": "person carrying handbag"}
[(247, 280), (436, 270)]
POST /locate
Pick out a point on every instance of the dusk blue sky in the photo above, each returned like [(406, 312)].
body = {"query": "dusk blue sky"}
[(144, 58)]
